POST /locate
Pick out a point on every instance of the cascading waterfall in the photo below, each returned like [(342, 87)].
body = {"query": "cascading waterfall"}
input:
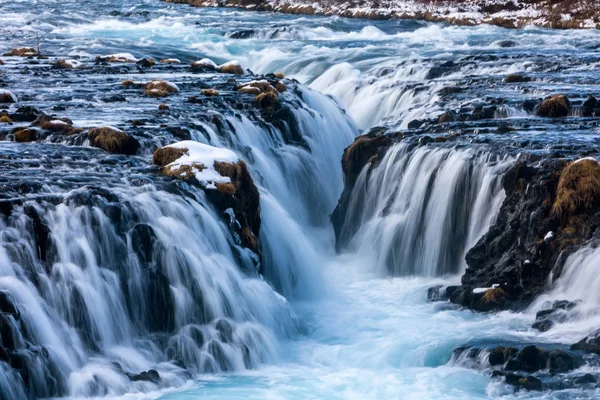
[(421, 209), (125, 276), (577, 284)]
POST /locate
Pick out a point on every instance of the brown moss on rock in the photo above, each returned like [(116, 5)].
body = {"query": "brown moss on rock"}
[(61, 126), (166, 155), (280, 86), (279, 75), (209, 92), (184, 172), (170, 61), (359, 153), (129, 84), (554, 107), (446, 117), (146, 62), (22, 52), (163, 107), (578, 190), (7, 97), (231, 68), (25, 135), (159, 88), (267, 99), (5, 118), (113, 140), (249, 90), (244, 199), (514, 78)]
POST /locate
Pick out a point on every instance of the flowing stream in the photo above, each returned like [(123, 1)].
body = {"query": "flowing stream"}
[(129, 254)]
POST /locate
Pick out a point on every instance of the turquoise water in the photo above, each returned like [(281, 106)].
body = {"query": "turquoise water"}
[(363, 335)]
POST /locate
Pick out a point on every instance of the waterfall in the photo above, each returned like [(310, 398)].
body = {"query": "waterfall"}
[(577, 284), (109, 271), (421, 208)]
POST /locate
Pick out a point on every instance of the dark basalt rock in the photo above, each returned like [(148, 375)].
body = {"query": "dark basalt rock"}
[(558, 313), (148, 376), (514, 254), (526, 382), (590, 343)]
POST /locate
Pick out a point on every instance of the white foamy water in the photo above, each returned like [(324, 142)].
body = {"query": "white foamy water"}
[(316, 325)]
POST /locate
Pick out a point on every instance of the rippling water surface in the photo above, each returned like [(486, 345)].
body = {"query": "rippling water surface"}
[(363, 335)]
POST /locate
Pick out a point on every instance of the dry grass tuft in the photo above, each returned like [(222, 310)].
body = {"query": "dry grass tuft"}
[(493, 296), (184, 172), (227, 189), (231, 69), (113, 140), (166, 155), (5, 118), (578, 190), (267, 99)]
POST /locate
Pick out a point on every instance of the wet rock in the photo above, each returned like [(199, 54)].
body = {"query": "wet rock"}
[(267, 99), (117, 58), (507, 43), (25, 135), (554, 107), (163, 107), (68, 64), (204, 65), (116, 98), (516, 78), (529, 359), (416, 123), (113, 140), (557, 313), (159, 88), (209, 92), (500, 355), (446, 117), (8, 306), (590, 343), (22, 52), (4, 118), (146, 62), (526, 382), (170, 61), (166, 155), (129, 84), (589, 106), (561, 361), (7, 97), (513, 252), (148, 376), (225, 330), (61, 126), (360, 153)]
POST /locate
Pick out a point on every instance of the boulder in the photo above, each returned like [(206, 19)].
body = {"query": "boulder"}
[(515, 78), (113, 140), (446, 117), (267, 99), (25, 135), (232, 67), (163, 107), (7, 97), (554, 107), (170, 61), (61, 126)]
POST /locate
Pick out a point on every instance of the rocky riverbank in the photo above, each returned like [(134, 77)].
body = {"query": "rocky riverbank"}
[(504, 13)]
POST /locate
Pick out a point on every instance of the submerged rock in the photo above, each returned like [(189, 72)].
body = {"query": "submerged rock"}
[(22, 52)]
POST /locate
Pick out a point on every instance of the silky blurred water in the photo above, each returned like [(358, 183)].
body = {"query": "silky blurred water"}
[(364, 335)]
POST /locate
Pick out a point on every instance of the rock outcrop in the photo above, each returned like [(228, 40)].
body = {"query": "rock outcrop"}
[(113, 140), (550, 209)]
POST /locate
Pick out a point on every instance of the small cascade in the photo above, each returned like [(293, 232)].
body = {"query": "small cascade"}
[(421, 209), (571, 308)]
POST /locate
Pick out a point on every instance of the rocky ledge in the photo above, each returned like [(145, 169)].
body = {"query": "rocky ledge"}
[(505, 13)]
